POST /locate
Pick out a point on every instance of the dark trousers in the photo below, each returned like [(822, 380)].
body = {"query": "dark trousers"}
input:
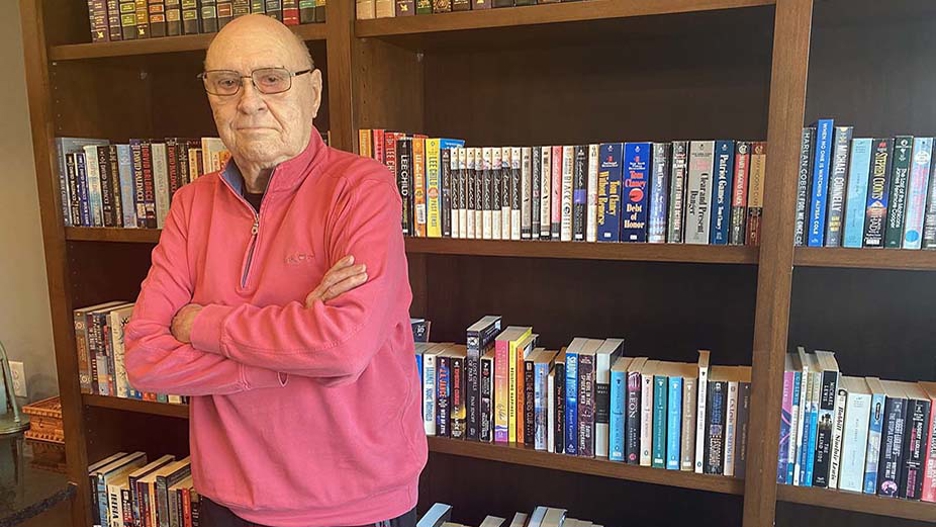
[(213, 515)]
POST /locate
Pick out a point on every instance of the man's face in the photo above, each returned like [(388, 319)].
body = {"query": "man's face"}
[(259, 129)]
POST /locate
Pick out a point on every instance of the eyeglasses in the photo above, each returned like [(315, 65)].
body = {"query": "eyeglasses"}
[(268, 81)]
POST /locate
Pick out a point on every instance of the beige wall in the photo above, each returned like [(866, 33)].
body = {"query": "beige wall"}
[(25, 320)]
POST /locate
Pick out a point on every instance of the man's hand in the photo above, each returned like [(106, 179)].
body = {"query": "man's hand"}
[(341, 278), (182, 323)]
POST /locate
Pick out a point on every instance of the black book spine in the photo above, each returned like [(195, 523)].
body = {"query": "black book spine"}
[(892, 439), (579, 192), (503, 3), (115, 184), (113, 20), (226, 12), (142, 19), (677, 195), (560, 384), (209, 16), (486, 400), (473, 385), (306, 11), (190, 10), (826, 425), (157, 18), (173, 18), (741, 430), (319, 11), (441, 6), (184, 173), (136, 152), (403, 175), (715, 412), (107, 186), (258, 6), (461, 5), (74, 206), (274, 9), (536, 175), (443, 390), (803, 180), (128, 19), (457, 397), (447, 188), (149, 186), (915, 451), (900, 179), (529, 404), (838, 179), (878, 190), (632, 420), (586, 405)]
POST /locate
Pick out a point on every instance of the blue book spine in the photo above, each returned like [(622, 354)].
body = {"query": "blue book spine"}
[(857, 193), (674, 423), (450, 143), (84, 201), (916, 196), (125, 172), (571, 403), (658, 445), (721, 192), (610, 174), (617, 421), (419, 368), (873, 456), (786, 422), (825, 129), (813, 438), (540, 405), (791, 461), (637, 157)]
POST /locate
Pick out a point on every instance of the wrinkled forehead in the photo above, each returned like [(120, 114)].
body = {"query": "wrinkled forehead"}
[(249, 49)]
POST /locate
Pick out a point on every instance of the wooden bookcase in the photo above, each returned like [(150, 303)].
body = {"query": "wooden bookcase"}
[(552, 74)]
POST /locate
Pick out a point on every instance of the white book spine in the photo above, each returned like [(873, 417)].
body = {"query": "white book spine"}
[(479, 186), (114, 507), (526, 193), (118, 318), (497, 212), (699, 191), (802, 412), (93, 175), (646, 419), (835, 464), (471, 219), (700, 420), (545, 180), (551, 412), (487, 160), (731, 427), (514, 227), (568, 166), (453, 191), (161, 183), (463, 205), (591, 224), (429, 389), (855, 442)]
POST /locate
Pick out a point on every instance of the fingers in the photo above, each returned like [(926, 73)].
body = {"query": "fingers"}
[(335, 276), (344, 286)]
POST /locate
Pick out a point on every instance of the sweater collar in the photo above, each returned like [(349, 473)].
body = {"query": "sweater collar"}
[(287, 175)]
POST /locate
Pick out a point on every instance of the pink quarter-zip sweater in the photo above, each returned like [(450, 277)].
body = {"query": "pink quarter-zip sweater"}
[(300, 417)]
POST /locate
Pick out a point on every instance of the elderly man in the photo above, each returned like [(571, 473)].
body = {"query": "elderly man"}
[(278, 299)]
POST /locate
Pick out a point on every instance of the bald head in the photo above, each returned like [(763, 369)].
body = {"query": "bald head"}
[(256, 32)]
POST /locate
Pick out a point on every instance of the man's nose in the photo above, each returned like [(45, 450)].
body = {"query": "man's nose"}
[(251, 100)]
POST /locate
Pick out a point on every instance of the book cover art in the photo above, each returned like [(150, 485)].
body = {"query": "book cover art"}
[(857, 193)]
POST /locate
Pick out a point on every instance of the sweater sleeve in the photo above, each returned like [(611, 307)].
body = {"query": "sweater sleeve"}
[(337, 339), (155, 360)]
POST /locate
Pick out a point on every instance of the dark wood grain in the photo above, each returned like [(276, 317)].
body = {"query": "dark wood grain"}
[(865, 258), (790, 65), (152, 46), (102, 234), (339, 78), (134, 405), (869, 504)]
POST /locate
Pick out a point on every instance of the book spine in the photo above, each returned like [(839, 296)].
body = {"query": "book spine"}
[(794, 426), (855, 442), (838, 433), (586, 405), (646, 420), (433, 189), (477, 178), (529, 404), (473, 384), (579, 192), (688, 433), (559, 398), (93, 175), (878, 193), (461, 5), (677, 196), (571, 404), (566, 220), (721, 192), (97, 16), (84, 355), (837, 181), (785, 426), (274, 9), (320, 11), (74, 193), (384, 8), (637, 159), (423, 7), (429, 394), (731, 423), (536, 189), (527, 199), (591, 226), (546, 194), (490, 172), (173, 18), (157, 17), (658, 441), (802, 429), (404, 178), (915, 447), (756, 192), (826, 423), (892, 440), (617, 417), (857, 193), (512, 212), (540, 406), (820, 181), (876, 421), (809, 450), (742, 430), (929, 477), (418, 160), (113, 21), (632, 421), (513, 395), (486, 410), (802, 183), (108, 212), (480, 4), (659, 186), (501, 388), (897, 204), (916, 199), (699, 185), (457, 399), (556, 193), (463, 189), (609, 192), (674, 423), (443, 394), (715, 427), (161, 181)]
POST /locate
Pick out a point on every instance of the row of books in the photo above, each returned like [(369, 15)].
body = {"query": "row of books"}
[(115, 20), (856, 434), (127, 490), (99, 332), (865, 192), (368, 9), (440, 515), (586, 400), (695, 192), (129, 185)]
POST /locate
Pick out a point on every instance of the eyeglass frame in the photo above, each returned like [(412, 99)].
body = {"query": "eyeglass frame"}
[(203, 76)]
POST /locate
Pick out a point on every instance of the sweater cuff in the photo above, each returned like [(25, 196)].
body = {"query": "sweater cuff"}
[(262, 378), (206, 331)]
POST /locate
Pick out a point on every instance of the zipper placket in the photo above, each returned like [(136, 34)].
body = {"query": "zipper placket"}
[(254, 229)]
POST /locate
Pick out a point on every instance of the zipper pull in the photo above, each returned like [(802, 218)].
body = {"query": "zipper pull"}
[(255, 228)]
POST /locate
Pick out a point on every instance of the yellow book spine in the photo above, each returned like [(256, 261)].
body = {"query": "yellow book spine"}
[(433, 189)]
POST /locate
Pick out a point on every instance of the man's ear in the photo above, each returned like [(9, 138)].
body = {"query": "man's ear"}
[(316, 103)]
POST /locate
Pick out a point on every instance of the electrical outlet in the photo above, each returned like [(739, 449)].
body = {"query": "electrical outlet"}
[(19, 378)]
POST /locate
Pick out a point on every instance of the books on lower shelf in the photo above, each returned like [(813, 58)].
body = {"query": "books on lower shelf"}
[(370, 9), (863, 192), (440, 515), (586, 399), (691, 192), (858, 434), (116, 20), (130, 489), (99, 331)]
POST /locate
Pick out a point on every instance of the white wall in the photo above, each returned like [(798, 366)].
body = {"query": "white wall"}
[(25, 319)]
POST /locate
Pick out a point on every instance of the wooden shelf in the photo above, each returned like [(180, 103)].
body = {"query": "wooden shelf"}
[(644, 252), (541, 14), (864, 503), (149, 46), (521, 455), (111, 234), (865, 258), (135, 405)]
